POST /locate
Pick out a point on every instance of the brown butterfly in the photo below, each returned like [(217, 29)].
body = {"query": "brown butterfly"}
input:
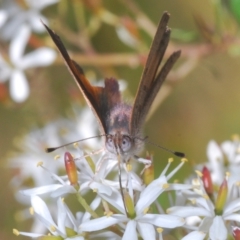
[(119, 122)]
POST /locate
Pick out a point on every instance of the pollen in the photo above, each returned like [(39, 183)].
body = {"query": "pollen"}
[(165, 186), (227, 175), (109, 214), (39, 164), (56, 157), (95, 190), (205, 196), (145, 210), (196, 182), (16, 232), (75, 145), (53, 228), (170, 160), (159, 230), (31, 210), (184, 160), (237, 184), (129, 167), (193, 201), (238, 150), (235, 137), (199, 173)]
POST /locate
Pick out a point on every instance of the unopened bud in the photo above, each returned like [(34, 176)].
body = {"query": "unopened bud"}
[(221, 197), (207, 181), (71, 168)]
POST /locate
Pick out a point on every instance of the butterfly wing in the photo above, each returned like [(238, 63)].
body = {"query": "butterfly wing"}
[(99, 99), (150, 83)]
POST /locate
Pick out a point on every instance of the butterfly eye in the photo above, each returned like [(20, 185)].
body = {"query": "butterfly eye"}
[(110, 144), (126, 143)]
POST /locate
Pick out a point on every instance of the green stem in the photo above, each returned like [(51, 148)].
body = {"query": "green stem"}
[(83, 202)]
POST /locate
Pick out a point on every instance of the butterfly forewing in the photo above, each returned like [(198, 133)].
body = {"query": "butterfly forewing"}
[(150, 84), (99, 99)]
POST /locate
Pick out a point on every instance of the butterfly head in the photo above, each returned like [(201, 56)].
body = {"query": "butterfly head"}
[(119, 140)]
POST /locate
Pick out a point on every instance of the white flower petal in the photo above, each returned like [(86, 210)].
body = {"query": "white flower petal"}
[(162, 220), (205, 224), (18, 44), (40, 190), (63, 190), (3, 17), (233, 206), (150, 194), (62, 215), (105, 235), (146, 230), (41, 208), (101, 188), (202, 202), (74, 221), (98, 224), (5, 70), (130, 231), (41, 57), (196, 235), (34, 20), (33, 235), (215, 157), (188, 211), (19, 88), (233, 217), (126, 37), (49, 225), (95, 203), (10, 29), (179, 186), (75, 238), (115, 199), (218, 229), (229, 148), (40, 4)]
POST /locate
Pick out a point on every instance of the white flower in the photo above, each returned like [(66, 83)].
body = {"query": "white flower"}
[(15, 16), (32, 147), (142, 222), (19, 89), (65, 219), (3, 17), (224, 158), (210, 222)]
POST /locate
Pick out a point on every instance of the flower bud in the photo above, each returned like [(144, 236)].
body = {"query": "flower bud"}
[(221, 198), (236, 233), (129, 205), (207, 182), (148, 174), (71, 168)]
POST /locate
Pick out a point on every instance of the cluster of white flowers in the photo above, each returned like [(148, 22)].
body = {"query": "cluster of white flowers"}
[(16, 25), (208, 207)]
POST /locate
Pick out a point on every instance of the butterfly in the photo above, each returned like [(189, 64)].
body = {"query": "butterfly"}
[(121, 123)]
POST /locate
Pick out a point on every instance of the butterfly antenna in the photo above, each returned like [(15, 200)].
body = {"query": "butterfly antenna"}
[(176, 153), (51, 149)]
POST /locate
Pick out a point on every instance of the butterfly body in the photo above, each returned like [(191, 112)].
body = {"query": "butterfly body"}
[(115, 118)]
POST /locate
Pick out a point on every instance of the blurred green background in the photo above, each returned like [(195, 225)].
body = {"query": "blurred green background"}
[(204, 98)]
